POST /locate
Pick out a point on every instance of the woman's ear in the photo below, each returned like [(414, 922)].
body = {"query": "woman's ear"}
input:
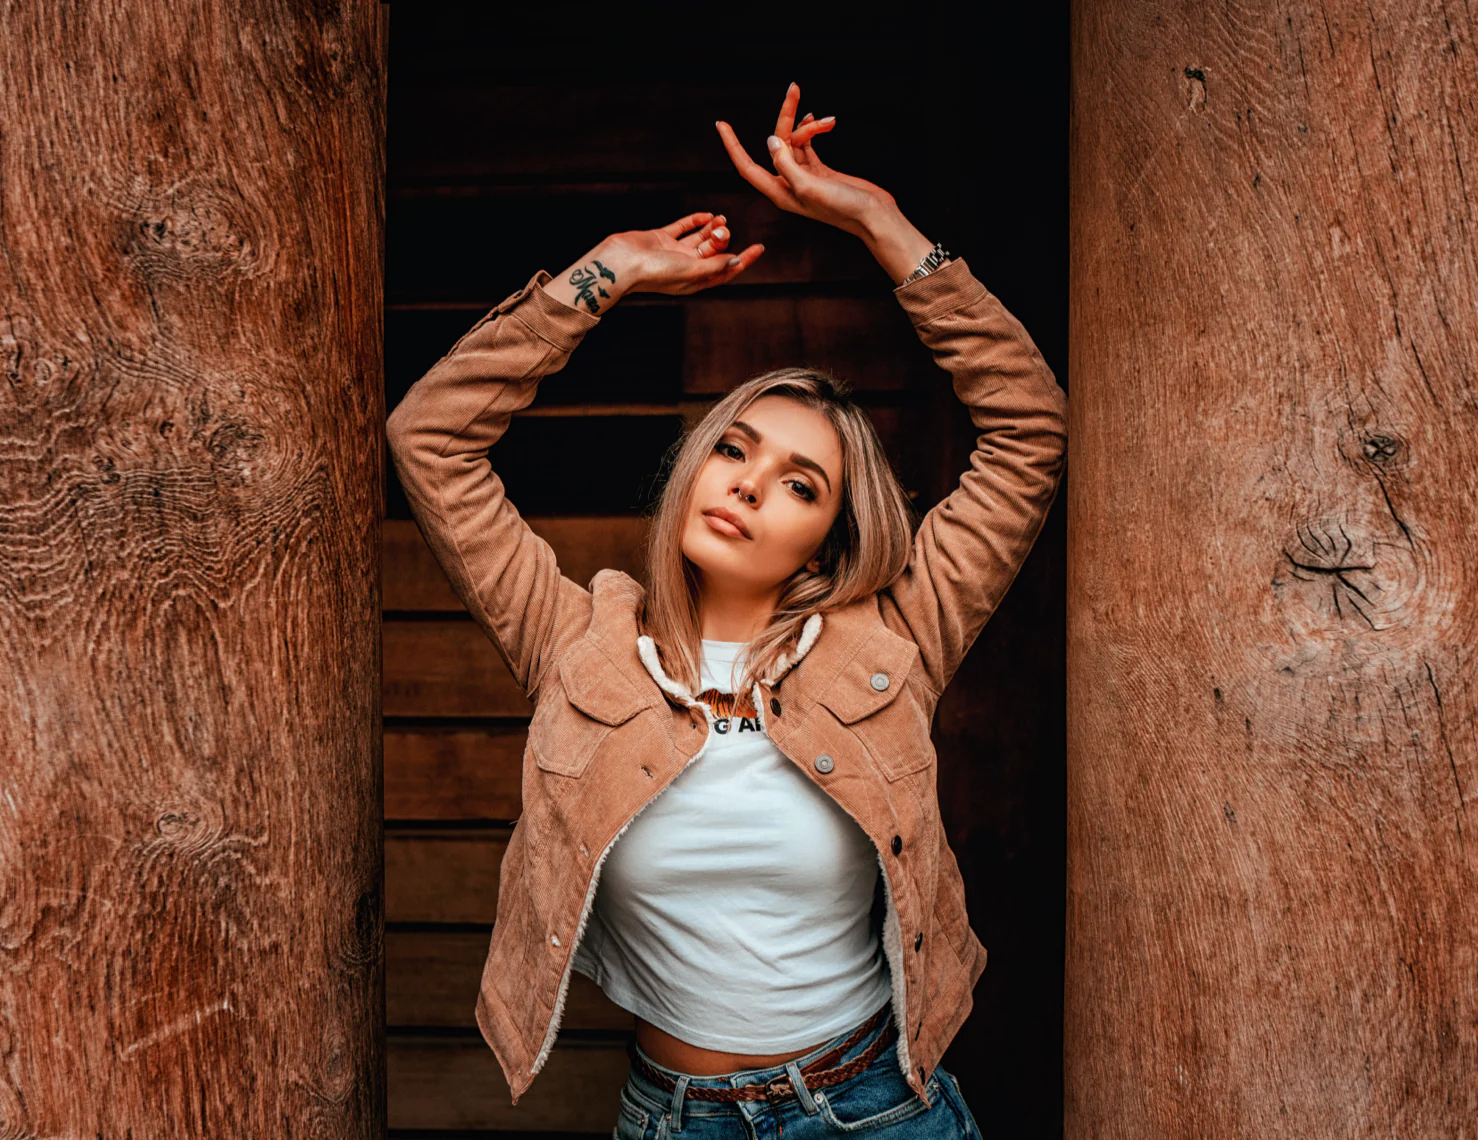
[(814, 566)]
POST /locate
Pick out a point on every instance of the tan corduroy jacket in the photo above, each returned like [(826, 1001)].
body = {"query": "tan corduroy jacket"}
[(851, 705)]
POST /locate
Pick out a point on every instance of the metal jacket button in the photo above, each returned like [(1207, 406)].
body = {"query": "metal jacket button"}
[(824, 763), (897, 844), (919, 940), (775, 705), (880, 681)]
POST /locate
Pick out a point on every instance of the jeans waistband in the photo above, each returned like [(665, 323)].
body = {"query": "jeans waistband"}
[(758, 1076)]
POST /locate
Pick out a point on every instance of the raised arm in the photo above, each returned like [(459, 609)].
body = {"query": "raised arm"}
[(439, 438), (970, 547), (439, 435)]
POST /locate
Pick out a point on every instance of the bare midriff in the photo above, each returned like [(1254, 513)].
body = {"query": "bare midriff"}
[(673, 1053)]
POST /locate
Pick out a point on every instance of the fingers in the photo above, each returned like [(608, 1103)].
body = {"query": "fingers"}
[(693, 239), (785, 163), (773, 188), (785, 121), (731, 267), (803, 134), (715, 242), (683, 225), (798, 134), (706, 272), (742, 261)]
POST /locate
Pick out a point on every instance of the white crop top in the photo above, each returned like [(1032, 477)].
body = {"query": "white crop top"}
[(735, 910)]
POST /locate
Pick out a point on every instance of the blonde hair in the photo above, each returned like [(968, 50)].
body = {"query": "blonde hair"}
[(865, 550)]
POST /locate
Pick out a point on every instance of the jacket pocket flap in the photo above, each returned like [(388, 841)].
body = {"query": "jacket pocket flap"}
[(596, 686), (873, 678)]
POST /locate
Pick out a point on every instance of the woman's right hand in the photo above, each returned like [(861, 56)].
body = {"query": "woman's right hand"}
[(669, 259)]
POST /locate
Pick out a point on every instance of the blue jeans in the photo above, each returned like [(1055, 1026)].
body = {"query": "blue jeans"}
[(876, 1103)]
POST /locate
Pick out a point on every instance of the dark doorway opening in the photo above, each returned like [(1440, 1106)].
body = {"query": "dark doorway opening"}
[(514, 148)]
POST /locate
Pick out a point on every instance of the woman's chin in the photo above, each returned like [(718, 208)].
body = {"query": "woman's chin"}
[(722, 562)]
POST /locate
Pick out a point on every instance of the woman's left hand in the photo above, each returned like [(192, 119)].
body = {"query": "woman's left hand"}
[(803, 183)]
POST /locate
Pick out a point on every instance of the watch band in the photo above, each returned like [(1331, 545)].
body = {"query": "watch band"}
[(928, 263)]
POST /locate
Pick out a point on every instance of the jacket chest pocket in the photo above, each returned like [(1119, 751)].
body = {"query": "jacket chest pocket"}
[(869, 697), (573, 718)]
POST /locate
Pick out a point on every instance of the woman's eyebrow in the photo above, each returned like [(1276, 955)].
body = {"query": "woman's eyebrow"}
[(801, 461), (795, 456)]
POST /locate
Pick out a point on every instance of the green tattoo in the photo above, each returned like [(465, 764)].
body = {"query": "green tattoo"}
[(587, 284)]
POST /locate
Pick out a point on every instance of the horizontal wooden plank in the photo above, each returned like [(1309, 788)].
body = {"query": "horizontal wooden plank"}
[(445, 668), (432, 978), (797, 250), (596, 126), (457, 1083), (443, 876), (595, 464), (501, 238), (867, 341), (453, 774), (686, 408), (583, 545), (635, 358)]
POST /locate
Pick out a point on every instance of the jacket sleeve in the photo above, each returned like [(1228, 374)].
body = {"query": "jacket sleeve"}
[(439, 437), (969, 548)]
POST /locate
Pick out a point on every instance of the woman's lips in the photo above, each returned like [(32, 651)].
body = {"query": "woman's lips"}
[(726, 522)]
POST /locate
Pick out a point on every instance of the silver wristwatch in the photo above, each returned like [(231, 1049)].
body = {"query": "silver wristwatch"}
[(931, 261)]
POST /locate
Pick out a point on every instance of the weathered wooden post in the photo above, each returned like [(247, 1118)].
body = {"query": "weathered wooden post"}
[(1273, 524), (191, 415)]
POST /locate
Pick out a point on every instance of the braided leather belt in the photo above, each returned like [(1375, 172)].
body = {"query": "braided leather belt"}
[(818, 1073)]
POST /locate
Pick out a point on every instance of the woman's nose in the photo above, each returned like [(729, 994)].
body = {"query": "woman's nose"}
[(746, 491)]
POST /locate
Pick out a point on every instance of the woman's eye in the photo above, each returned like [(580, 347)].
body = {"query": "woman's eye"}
[(804, 490), (723, 447)]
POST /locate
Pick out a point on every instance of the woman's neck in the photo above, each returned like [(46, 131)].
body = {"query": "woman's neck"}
[(724, 615)]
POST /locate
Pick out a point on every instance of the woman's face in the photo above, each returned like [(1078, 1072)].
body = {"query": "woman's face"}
[(765, 497)]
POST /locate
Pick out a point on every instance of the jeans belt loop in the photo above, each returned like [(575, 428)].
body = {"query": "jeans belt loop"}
[(798, 1083), (679, 1093)]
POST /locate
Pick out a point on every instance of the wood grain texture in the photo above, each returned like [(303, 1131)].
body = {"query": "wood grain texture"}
[(455, 1083), (583, 545), (432, 976), (1272, 746), (866, 341), (190, 853), (454, 773), (447, 668), (434, 875)]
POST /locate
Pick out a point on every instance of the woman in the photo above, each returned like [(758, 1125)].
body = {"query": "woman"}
[(785, 920)]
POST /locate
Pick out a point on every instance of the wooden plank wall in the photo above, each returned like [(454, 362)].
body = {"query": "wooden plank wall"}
[(509, 152)]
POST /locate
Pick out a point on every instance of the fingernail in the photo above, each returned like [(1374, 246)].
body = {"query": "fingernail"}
[(829, 119), (733, 261), (773, 143), (720, 232)]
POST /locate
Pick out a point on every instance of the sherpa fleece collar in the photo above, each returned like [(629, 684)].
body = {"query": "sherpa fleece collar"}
[(647, 649)]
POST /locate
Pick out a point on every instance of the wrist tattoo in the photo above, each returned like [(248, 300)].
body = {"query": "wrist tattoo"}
[(587, 284)]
